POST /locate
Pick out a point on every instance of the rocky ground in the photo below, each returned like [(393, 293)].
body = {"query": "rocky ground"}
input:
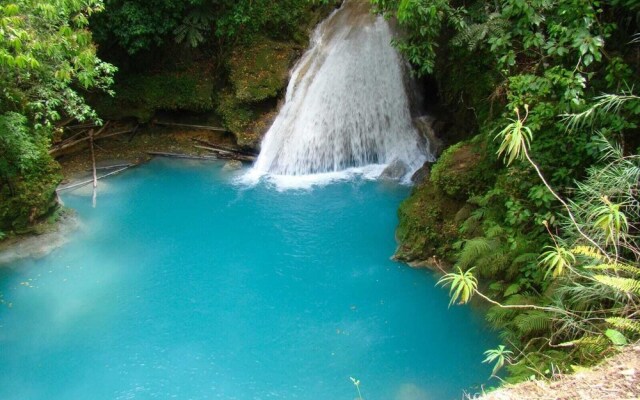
[(617, 378), (134, 149)]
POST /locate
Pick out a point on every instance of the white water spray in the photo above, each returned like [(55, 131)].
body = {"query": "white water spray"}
[(346, 106)]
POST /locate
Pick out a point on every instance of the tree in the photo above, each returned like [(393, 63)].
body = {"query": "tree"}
[(47, 62)]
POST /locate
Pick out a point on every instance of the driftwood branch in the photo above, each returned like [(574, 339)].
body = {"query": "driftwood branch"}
[(227, 155), (180, 155), (204, 127), (66, 144), (223, 147), (83, 183)]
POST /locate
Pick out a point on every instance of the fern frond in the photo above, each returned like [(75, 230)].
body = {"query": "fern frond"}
[(622, 284), (588, 251), (475, 248), (526, 258), (533, 322), (626, 324), (472, 35), (616, 267), (498, 316)]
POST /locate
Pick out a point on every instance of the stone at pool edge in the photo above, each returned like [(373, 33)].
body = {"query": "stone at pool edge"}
[(395, 170), (232, 165), (38, 246)]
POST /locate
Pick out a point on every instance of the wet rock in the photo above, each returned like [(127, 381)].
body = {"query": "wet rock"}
[(429, 127), (232, 165), (422, 173), (396, 170)]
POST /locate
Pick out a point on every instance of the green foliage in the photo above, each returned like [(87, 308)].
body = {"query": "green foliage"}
[(499, 356), (616, 337), (556, 260), (571, 66), (137, 26), (47, 60), (463, 285), (462, 170), (515, 138), (141, 95)]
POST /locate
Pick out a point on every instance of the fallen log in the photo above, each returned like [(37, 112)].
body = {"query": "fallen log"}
[(180, 155), (113, 166), (83, 183), (223, 147), (227, 155), (95, 137), (204, 127)]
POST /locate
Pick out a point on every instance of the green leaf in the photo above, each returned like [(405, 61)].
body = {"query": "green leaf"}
[(616, 337)]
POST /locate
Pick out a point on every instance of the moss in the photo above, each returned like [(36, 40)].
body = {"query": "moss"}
[(431, 216), (260, 71), (462, 170), (258, 75), (141, 95), (30, 198), (427, 224)]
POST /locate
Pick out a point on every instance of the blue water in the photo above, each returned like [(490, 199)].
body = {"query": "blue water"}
[(181, 284)]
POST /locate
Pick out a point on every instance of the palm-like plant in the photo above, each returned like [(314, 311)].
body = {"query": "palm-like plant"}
[(463, 285), (499, 356), (611, 220), (557, 260), (515, 138)]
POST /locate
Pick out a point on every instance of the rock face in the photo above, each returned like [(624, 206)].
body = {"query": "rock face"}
[(430, 128), (396, 170), (422, 174), (232, 165)]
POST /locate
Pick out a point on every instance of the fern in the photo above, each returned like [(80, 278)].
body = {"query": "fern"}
[(622, 284), (474, 34), (626, 324), (475, 248), (589, 252), (512, 289), (615, 267), (532, 322), (498, 316)]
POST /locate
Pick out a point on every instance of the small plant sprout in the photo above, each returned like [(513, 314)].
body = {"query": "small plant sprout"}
[(356, 383), (499, 355)]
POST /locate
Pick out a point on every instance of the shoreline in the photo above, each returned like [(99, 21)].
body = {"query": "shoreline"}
[(53, 231)]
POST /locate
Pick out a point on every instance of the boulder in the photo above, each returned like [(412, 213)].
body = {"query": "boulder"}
[(232, 165), (422, 173), (396, 170)]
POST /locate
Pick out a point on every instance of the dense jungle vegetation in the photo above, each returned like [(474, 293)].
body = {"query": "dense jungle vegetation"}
[(86, 61), (537, 211)]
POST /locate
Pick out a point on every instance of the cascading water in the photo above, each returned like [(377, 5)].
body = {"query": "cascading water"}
[(346, 104)]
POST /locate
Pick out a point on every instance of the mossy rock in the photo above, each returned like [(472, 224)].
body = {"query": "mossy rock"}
[(141, 95), (30, 198), (260, 71), (427, 227), (430, 218), (462, 170), (258, 76)]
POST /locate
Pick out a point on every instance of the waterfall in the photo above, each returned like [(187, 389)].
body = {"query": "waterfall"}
[(346, 105)]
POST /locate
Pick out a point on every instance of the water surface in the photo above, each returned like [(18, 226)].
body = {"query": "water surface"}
[(181, 284)]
